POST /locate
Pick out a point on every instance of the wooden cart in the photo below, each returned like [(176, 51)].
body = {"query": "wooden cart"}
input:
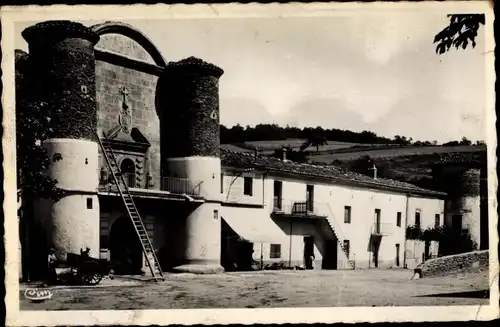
[(87, 270)]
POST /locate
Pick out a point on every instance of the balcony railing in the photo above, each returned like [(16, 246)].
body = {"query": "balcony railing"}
[(382, 229), (170, 184), (181, 186), (296, 208)]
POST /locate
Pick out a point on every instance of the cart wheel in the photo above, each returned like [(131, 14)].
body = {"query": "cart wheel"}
[(92, 279), (89, 273)]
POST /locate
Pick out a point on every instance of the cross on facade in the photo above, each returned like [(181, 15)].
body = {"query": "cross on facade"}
[(125, 93)]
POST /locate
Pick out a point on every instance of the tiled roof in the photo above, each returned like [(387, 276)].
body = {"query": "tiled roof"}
[(333, 173)]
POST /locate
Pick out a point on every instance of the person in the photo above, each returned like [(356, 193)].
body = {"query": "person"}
[(52, 275), (311, 261)]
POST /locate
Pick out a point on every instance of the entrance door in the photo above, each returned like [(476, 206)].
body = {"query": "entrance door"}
[(308, 251), (375, 249), (397, 255), (330, 257), (456, 223), (125, 248)]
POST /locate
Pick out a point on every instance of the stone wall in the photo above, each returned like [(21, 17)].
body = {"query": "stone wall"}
[(448, 264), (142, 86)]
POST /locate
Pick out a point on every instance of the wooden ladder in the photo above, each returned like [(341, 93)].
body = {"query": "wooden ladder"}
[(132, 211)]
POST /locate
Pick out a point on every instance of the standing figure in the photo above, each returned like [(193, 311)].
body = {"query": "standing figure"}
[(51, 266)]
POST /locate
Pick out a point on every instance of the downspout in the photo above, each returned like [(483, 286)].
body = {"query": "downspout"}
[(406, 226)]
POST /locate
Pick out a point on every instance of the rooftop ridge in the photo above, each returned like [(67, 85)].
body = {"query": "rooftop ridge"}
[(331, 172)]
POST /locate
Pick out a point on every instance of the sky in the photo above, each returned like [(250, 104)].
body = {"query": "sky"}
[(358, 72)]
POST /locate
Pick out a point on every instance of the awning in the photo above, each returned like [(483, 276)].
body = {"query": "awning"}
[(258, 229)]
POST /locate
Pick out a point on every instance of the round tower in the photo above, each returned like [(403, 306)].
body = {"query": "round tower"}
[(62, 55), (460, 177), (190, 149)]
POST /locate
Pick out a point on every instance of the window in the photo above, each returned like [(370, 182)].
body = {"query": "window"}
[(216, 214), (437, 220), (278, 190), (310, 197), (398, 219), (89, 203), (347, 247), (222, 183), (417, 219), (347, 215), (248, 186), (275, 251)]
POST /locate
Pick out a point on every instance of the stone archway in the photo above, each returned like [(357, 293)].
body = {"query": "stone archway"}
[(125, 247)]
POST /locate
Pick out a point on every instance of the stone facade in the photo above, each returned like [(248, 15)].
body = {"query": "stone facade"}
[(141, 99)]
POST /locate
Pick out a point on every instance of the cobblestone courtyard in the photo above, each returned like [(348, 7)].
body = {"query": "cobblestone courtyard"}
[(272, 289)]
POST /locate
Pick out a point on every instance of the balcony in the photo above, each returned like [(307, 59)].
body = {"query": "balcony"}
[(168, 184), (289, 208), (181, 186), (381, 229)]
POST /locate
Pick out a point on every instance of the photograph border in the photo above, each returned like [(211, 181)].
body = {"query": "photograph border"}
[(15, 317)]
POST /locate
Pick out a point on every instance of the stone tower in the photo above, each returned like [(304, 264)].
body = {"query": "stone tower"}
[(62, 56), (190, 149), (460, 177)]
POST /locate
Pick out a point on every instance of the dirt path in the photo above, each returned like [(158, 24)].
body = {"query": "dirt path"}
[(274, 289)]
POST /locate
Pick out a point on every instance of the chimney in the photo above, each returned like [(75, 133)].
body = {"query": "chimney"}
[(374, 171), (283, 154), (255, 152)]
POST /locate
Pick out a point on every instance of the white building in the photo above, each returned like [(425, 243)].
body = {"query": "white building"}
[(290, 211)]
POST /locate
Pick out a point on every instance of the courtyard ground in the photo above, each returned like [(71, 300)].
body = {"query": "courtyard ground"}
[(391, 287)]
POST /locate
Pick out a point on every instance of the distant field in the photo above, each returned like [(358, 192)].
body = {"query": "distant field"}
[(267, 147), (395, 152)]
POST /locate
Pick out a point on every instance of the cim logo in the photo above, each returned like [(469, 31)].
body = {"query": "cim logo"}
[(38, 295)]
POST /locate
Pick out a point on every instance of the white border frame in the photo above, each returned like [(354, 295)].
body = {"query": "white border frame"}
[(15, 317)]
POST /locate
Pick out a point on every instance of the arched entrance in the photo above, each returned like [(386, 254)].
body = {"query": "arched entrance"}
[(125, 247), (127, 168)]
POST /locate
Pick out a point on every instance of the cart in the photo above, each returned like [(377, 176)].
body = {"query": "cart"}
[(85, 269)]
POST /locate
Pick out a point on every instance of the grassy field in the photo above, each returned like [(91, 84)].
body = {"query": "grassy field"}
[(392, 287), (396, 152), (268, 147)]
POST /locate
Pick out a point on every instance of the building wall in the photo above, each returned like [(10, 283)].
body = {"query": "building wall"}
[(142, 87), (331, 200)]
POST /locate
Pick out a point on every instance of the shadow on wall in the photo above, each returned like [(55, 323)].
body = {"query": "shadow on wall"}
[(173, 253)]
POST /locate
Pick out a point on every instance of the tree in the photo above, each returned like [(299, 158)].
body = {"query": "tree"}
[(461, 32), (315, 138), (32, 128)]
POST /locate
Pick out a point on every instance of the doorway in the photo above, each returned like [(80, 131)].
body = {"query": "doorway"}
[(375, 251), (397, 255), (127, 168), (125, 248), (330, 257), (456, 223), (308, 251)]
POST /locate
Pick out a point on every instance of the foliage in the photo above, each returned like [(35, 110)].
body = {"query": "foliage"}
[(461, 32), (414, 232), (315, 138), (32, 128), (264, 132)]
